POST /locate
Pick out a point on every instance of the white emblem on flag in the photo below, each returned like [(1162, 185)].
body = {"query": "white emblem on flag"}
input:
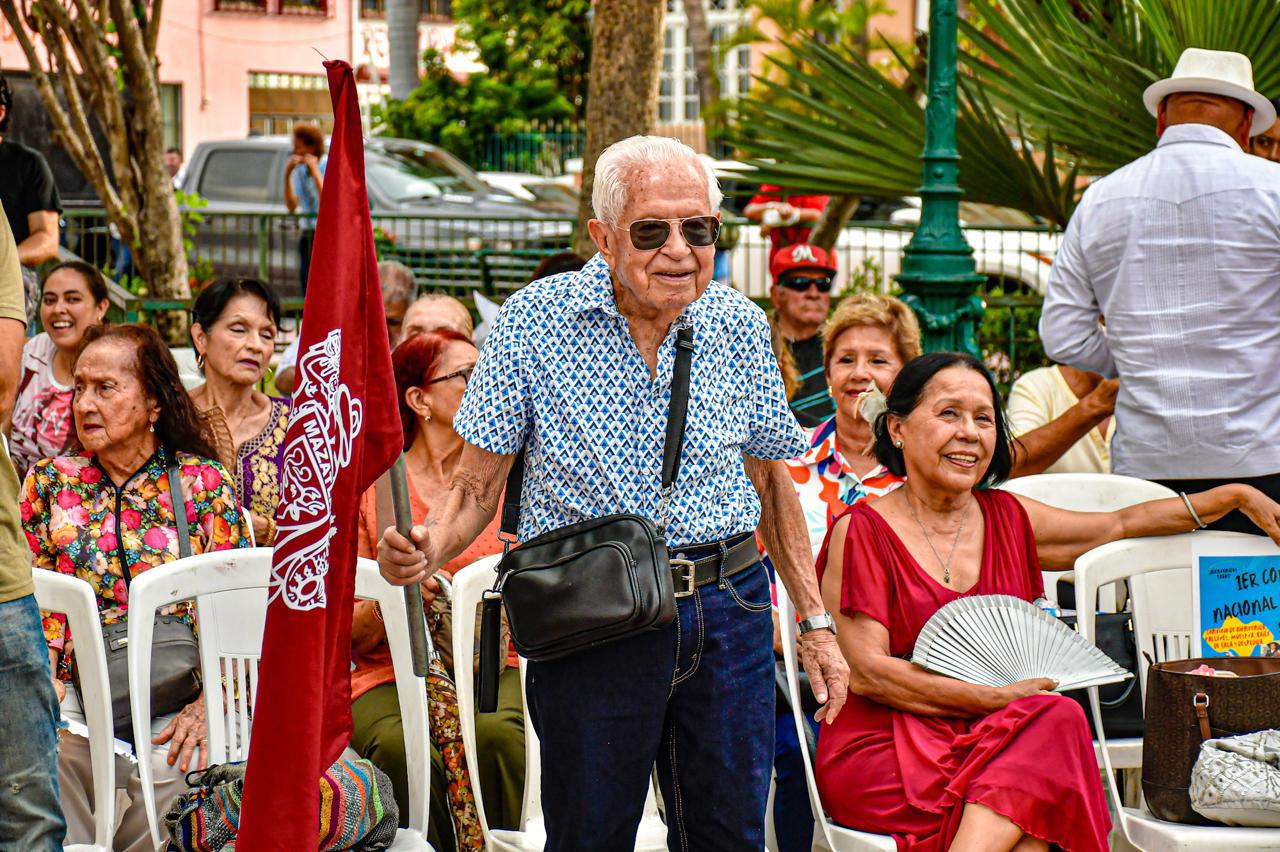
[(330, 420), (803, 252)]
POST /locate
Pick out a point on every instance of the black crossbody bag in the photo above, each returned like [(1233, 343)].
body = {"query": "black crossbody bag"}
[(589, 583)]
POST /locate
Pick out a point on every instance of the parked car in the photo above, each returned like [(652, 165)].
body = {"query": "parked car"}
[(547, 194), (430, 210)]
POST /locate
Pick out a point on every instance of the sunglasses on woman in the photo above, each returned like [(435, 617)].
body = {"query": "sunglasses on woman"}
[(800, 283), (650, 234)]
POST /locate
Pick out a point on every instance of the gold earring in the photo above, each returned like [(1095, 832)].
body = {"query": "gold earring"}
[(898, 444), (199, 360)]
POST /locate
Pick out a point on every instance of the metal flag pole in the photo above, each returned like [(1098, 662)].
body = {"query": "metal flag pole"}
[(418, 645)]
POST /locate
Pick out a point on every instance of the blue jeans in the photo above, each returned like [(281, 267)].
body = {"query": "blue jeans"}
[(792, 814), (696, 697), (30, 816)]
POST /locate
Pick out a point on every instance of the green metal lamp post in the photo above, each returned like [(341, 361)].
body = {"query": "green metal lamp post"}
[(937, 266)]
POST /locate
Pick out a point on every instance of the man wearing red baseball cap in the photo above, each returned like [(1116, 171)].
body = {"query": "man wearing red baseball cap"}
[(801, 294)]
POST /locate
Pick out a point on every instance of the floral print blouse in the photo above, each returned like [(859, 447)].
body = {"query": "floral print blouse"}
[(78, 522)]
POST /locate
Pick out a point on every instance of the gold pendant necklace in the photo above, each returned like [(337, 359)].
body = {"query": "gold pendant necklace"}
[(946, 566)]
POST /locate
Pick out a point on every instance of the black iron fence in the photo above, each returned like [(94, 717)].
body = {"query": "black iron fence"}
[(494, 257)]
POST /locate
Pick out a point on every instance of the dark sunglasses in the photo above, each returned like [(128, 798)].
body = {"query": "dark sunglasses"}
[(800, 283), (465, 373), (650, 234)]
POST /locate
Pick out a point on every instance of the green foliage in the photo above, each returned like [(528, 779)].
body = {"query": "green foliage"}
[(1009, 334), (1050, 89), (1077, 68), (384, 243), (839, 125), (868, 277), (199, 267), (537, 55), (843, 26)]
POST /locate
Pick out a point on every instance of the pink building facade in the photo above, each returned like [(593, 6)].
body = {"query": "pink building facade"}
[(232, 67)]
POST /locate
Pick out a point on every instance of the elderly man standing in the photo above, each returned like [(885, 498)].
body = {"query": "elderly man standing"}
[(1180, 252), (578, 369)]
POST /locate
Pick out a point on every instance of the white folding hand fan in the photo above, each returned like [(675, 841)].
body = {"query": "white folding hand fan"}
[(996, 640)]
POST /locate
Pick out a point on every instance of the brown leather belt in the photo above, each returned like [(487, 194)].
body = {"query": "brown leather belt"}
[(699, 564)]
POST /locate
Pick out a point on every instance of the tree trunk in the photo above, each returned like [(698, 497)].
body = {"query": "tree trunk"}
[(402, 44), (622, 93), (834, 217), (113, 78), (699, 36)]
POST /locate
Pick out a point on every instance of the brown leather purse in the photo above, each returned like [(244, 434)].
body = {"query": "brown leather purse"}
[(1183, 710)]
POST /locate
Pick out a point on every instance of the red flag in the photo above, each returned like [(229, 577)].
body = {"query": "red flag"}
[(343, 433)]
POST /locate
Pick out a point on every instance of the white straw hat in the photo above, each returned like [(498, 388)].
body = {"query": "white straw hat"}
[(1214, 72)]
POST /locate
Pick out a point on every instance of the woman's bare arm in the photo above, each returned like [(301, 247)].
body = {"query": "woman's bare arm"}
[(1062, 536)]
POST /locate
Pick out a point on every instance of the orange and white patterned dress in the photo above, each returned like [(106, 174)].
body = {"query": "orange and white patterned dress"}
[(827, 486)]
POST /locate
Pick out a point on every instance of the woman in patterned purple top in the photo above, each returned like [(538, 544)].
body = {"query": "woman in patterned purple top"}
[(233, 329)]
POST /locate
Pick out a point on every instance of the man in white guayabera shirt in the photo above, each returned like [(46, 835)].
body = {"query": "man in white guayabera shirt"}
[(1169, 277)]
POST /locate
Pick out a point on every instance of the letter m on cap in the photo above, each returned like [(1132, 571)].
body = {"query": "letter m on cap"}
[(803, 252)]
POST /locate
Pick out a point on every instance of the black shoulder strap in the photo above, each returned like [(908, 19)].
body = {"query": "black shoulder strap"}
[(679, 407), (511, 500), (179, 508), (676, 416)]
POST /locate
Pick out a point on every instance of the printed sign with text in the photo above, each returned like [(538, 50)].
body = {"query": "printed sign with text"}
[(1236, 599)]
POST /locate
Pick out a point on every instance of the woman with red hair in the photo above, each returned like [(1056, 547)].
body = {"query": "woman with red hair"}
[(431, 371)]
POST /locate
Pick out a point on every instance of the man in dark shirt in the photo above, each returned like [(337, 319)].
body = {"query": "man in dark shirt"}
[(30, 200), (801, 295)]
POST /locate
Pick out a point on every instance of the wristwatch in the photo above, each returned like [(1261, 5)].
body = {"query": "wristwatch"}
[(824, 621)]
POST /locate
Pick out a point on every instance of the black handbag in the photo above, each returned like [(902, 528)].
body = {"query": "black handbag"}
[(175, 653), (589, 583), (1121, 702)]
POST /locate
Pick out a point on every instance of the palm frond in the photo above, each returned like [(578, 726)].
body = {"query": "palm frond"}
[(843, 127), (1049, 90)]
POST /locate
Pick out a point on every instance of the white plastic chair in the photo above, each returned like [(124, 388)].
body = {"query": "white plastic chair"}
[(229, 588), (1092, 492), (74, 598), (1085, 492), (827, 835), (469, 586), (1159, 575)]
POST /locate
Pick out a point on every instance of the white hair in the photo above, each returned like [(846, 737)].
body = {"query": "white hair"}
[(397, 281), (618, 165)]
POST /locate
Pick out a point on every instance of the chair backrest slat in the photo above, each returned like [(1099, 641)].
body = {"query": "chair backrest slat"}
[(75, 599), (230, 592), (1085, 492)]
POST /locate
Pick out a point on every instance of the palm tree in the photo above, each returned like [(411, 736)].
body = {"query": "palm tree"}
[(622, 92), (402, 47), (1050, 89), (699, 35)]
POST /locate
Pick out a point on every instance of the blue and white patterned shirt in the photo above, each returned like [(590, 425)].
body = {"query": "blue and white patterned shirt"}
[(561, 371)]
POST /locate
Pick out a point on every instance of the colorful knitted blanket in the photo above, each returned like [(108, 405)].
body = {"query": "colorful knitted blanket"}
[(357, 809)]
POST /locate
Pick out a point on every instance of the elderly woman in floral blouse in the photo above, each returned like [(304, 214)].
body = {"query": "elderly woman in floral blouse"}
[(105, 516)]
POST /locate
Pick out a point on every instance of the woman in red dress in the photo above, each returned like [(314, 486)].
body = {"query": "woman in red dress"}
[(937, 762)]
